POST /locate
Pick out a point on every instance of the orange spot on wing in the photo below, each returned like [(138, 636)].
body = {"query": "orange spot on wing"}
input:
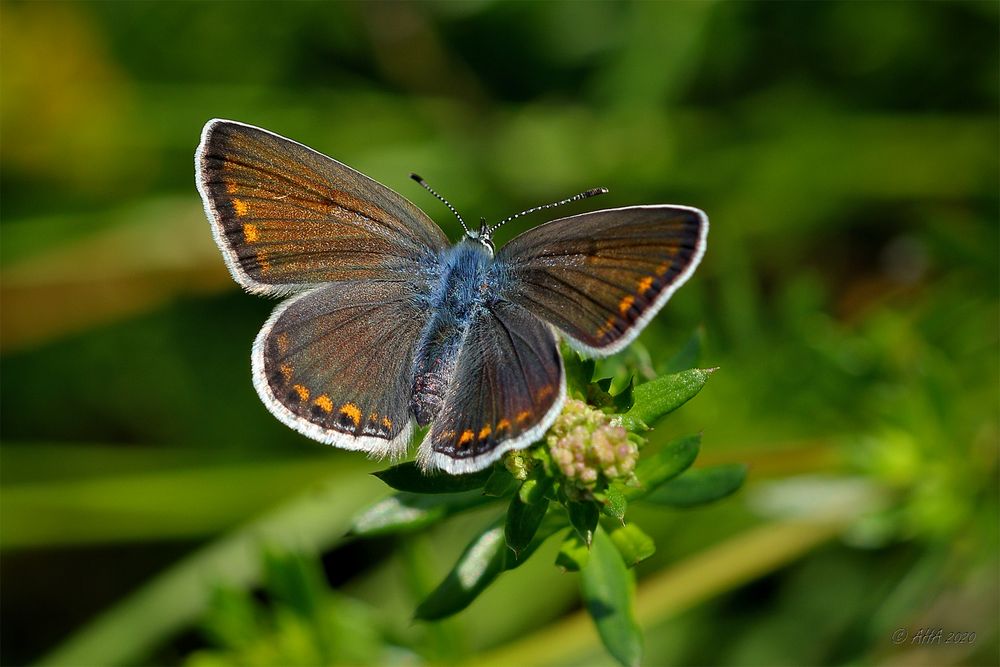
[(387, 422), (230, 187), (502, 424), (240, 207), (324, 403), (250, 232), (352, 412), (645, 284), (662, 268), (301, 391), (523, 416), (484, 432), (606, 328), (282, 342), (544, 392), (263, 261), (625, 304), (286, 371), (466, 438)]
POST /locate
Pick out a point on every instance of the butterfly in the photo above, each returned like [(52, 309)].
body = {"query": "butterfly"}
[(387, 325)]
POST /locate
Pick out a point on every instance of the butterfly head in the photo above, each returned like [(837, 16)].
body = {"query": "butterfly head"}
[(483, 235)]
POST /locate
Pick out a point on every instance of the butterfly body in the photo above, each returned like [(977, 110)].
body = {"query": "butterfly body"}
[(387, 325), (466, 284)]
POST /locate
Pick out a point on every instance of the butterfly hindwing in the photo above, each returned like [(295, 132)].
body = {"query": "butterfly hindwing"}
[(600, 277), (508, 387), (335, 363), (287, 217)]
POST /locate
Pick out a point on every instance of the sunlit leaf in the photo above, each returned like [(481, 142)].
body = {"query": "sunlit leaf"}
[(632, 543), (656, 468), (615, 502), (659, 397)]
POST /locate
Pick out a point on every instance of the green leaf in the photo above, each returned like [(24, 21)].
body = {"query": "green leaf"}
[(486, 557), (673, 459), (625, 399), (410, 478), (701, 486), (534, 488), (604, 384), (657, 398), (579, 371), (689, 355), (583, 516), (615, 502), (633, 544), (500, 483), (573, 553), (481, 562), (408, 511), (607, 593), (523, 520)]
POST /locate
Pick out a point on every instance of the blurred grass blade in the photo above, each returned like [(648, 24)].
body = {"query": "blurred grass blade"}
[(128, 632), (632, 543), (697, 487), (607, 593), (657, 398), (410, 478), (671, 460), (403, 512)]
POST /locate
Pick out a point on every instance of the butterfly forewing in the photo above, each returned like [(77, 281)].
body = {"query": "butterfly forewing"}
[(288, 217), (600, 277), (507, 389), (335, 363)]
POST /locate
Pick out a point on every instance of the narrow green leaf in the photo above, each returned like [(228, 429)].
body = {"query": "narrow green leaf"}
[(625, 399), (553, 522), (583, 516), (607, 593), (500, 483), (689, 354), (704, 485), (605, 384), (663, 395), (481, 562), (633, 544), (407, 511), (410, 478), (615, 502), (573, 553), (673, 459), (523, 520)]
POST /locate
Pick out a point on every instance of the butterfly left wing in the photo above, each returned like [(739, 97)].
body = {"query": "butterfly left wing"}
[(507, 389), (600, 277), (287, 217), (336, 364)]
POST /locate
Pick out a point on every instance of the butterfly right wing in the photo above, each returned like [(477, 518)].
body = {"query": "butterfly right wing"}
[(287, 217), (336, 364)]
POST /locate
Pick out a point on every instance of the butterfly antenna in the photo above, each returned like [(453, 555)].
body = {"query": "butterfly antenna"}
[(451, 208), (583, 195)]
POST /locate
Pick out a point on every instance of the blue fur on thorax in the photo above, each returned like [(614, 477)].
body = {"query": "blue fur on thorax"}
[(466, 283)]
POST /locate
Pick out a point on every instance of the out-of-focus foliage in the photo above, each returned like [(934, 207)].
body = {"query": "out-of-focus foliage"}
[(845, 152)]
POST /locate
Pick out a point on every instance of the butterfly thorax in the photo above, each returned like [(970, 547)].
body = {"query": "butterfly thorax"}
[(465, 286)]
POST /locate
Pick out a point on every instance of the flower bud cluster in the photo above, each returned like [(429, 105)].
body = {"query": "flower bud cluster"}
[(586, 446)]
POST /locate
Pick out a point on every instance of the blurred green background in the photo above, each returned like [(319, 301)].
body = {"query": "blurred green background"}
[(847, 154)]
